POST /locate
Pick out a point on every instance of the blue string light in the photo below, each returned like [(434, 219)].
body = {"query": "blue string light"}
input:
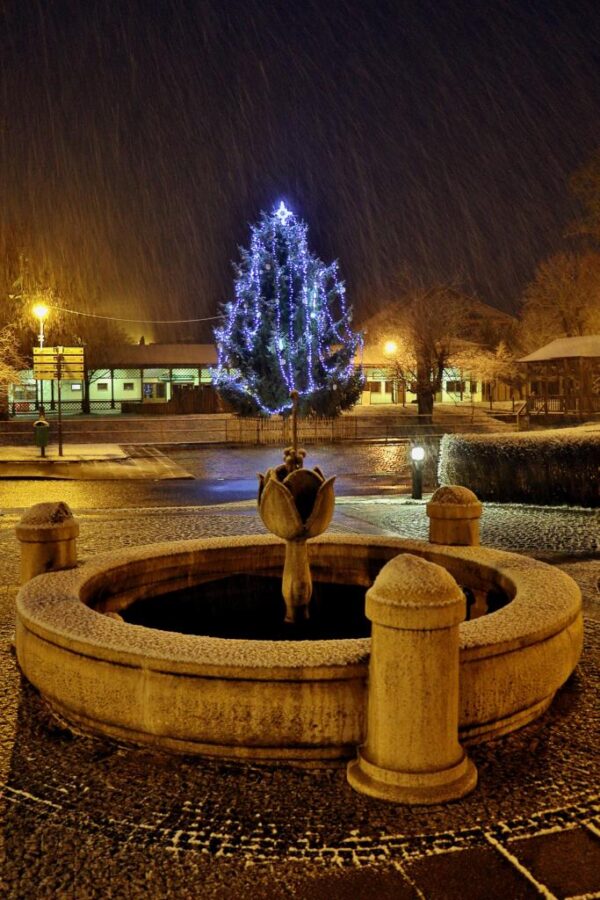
[(289, 325)]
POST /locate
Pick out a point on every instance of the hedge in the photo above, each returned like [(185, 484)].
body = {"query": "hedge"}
[(545, 467)]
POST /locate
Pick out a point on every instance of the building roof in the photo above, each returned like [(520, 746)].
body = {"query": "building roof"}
[(125, 356), (587, 345)]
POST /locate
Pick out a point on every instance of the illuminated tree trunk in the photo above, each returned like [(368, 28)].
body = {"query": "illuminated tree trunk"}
[(425, 392), (3, 402)]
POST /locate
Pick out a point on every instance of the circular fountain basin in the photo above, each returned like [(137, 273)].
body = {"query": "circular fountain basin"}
[(295, 700)]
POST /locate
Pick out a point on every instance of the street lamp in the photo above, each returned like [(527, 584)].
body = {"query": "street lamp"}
[(417, 455), (40, 311), (390, 347)]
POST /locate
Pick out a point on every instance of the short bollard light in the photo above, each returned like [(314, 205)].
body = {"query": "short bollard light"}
[(417, 455), (47, 533), (454, 512), (412, 754)]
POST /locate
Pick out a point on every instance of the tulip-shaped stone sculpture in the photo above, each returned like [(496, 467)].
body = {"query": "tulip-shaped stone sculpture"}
[(296, 504)]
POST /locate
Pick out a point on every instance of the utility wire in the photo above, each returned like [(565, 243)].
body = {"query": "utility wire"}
[(77, 312)]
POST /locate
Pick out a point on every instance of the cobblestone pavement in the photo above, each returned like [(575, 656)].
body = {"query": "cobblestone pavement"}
[(85, 817)]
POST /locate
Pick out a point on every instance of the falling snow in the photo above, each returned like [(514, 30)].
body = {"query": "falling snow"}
[(138, 140)]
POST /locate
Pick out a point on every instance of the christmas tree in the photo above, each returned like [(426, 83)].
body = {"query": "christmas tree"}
[(288, 328)]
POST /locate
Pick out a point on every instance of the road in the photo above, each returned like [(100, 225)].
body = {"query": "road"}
[(222, 475)]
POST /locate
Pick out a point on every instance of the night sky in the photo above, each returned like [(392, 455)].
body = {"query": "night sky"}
[(139, 139)]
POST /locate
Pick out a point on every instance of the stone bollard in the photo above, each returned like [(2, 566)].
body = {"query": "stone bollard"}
[(454, 514), (47, 533), (412, 754)]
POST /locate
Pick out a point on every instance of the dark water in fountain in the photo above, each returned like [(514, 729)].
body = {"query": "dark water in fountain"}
[(251, 607)]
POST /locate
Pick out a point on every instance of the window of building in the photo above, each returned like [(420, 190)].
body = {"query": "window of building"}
[(155, 390), (389, 387), (128, 385), (102, 386), (374, 387), (76, 386), (156, 373), (455, 387), (24, 392)]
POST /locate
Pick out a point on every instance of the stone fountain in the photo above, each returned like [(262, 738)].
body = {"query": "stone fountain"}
[(83, 638)]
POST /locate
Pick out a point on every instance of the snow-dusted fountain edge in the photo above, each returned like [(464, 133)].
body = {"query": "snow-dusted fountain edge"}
[(279, 700)]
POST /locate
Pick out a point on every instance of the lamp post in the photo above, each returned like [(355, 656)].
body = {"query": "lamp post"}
[(417, 455), (390, 348), (40, 311)]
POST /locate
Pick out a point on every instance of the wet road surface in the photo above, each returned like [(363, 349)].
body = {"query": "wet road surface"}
[(221, 475)]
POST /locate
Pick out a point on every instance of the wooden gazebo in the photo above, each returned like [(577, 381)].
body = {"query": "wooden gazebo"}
[(564, 376)]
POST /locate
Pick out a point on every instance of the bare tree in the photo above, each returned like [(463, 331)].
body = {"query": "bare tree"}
[(563, 300), (23, 285), (11, 363), (585, 184), (493, 367), (426, 325)]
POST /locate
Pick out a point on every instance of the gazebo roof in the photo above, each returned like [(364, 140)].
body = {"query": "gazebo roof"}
[(587, 345)]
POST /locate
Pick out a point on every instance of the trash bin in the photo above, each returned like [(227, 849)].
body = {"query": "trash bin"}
[(41, 434)]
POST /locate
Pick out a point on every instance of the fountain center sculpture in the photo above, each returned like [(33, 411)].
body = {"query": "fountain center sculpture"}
[(296, 504)]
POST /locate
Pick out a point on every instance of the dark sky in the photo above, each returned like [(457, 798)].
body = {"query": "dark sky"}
[(139, 138)]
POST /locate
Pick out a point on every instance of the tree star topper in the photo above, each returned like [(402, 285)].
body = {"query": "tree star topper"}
[(283, 213)]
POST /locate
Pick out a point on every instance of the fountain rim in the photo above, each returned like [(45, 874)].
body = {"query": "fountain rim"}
[(54, 608)]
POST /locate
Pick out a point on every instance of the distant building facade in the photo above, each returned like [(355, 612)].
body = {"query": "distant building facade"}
[(136, 378), (178, 378)]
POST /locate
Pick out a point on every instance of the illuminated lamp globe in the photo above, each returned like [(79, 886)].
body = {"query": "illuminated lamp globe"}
[(417, 454), (40, 311), (390, 347)]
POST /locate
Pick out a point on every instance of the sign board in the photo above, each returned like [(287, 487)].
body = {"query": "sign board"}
[(54, 363)]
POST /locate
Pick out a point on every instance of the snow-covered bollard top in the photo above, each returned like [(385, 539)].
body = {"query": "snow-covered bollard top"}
[(412, 753), (454, 512), (47, 533)]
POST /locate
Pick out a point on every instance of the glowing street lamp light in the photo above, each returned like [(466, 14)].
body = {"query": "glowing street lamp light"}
[(390, 347), (417, 455), (40, 311)]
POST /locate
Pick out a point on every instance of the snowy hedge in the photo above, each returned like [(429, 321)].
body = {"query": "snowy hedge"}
[(546, 467)]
